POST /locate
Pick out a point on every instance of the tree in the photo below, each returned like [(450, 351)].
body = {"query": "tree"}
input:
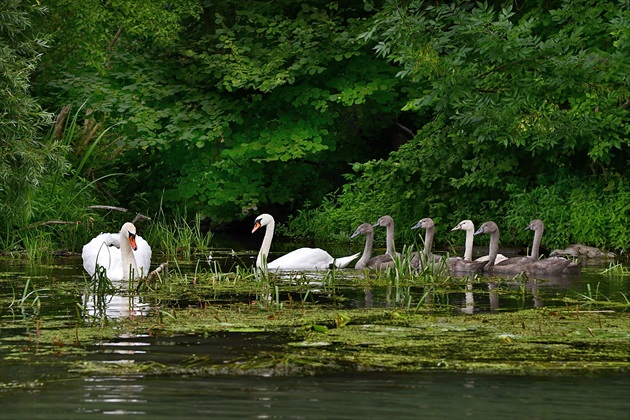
[(243, 110), (521, 101), (25, 158)]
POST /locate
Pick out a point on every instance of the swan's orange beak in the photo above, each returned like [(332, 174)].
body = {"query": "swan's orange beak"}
[(132, 241), (256, 226)]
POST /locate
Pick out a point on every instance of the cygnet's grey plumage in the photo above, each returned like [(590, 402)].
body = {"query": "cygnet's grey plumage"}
[(551, 265), (376, 263), (511, 266)]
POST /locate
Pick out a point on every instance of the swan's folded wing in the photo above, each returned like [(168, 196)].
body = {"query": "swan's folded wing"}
[(99, 252), (303, 259)]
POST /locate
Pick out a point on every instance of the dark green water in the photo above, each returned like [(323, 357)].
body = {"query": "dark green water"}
[(352, 396), (50, 392)]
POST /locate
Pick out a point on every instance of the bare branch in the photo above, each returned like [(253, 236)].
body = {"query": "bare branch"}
[(158, 270), (114, 39), (140, 216), (50, 222), (98, 207), (405, 129)]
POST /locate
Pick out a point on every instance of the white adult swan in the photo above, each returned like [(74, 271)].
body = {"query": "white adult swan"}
[(123, 255), (300, 259)]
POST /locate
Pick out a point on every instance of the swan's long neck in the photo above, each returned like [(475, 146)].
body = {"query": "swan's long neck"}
[(390, 240), (266, 244), (538, 233), (129, 265), (428, 240), (494, 248), (468, 250), (367, 251)]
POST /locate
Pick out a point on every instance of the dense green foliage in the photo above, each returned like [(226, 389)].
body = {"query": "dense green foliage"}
[(334, 113), (250, 99), (529, 119), (25, 159)]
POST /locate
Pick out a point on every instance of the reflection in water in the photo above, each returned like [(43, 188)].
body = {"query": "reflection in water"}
[(469, 307), (113, 392), (113, 306)]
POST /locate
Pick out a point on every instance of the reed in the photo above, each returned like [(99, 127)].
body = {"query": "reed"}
[(616, 270), (177, 236), (593, 296), (38, 246)]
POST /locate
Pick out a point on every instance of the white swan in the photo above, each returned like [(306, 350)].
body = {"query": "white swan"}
[(123, 255), (300, 259), (469, 227)]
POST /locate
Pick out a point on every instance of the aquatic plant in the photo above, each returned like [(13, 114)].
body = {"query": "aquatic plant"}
[(38, 246), (176, 235), (29, 297), (596, 298), (616, 269)]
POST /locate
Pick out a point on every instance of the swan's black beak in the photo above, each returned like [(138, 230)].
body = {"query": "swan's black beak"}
[(132, 241), (417, 225), (256, 225), (479, 231)]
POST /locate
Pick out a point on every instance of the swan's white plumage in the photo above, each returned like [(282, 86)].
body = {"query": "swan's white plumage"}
[(110, 250), (300, 259)]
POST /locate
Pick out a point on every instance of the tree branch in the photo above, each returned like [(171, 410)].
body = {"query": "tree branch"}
[(98, 207), (114, 39), (139, 216), (405, 129), (50, 222)]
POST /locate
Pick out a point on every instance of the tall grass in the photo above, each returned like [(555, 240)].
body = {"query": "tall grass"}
[(58, 216), (177, 236)]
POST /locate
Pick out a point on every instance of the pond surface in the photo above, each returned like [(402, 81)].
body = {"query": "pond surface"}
[(41, 386), (348, 396)]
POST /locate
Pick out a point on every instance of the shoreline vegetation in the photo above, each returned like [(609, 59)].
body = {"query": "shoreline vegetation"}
[(185, 237), (210, 118)]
